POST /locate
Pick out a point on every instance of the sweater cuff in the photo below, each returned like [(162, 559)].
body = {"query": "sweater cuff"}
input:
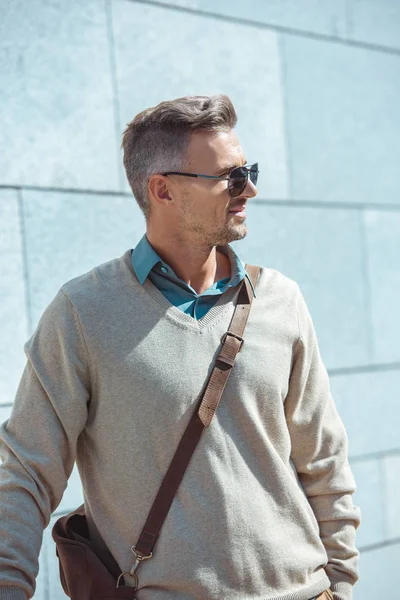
[(12, 593), (342, 590)]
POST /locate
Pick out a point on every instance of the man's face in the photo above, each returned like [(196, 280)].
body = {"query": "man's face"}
[(206, 214)]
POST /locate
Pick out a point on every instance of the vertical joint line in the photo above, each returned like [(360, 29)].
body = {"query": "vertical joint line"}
[(384, 496), (348, 16), (114, 86), (285, 115), (24, 248), (367, 286)]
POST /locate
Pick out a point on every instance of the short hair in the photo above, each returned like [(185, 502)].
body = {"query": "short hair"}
[(157, 139)]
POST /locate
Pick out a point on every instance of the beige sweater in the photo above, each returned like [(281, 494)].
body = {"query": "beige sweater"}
[(114, 370)]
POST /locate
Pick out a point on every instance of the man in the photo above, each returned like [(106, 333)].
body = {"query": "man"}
[(117, 363)]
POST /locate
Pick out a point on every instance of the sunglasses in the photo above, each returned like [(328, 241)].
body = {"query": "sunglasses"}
[(237, 178)]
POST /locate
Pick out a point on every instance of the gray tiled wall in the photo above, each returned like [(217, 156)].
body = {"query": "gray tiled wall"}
[(370, 485), (67, 233), (317, 88), (14, 324), (190, 67), (375, 22), (57, 111), (318, 16), (343, 115), (368, 403), (382, 243), (379, 573)]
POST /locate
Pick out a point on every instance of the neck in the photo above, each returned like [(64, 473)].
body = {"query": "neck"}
[(198, 265)]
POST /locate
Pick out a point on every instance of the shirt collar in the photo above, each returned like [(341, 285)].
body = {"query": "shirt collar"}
[(237, 267), (144, 258)]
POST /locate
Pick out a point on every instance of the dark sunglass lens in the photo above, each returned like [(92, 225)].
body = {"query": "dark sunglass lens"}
[(237, 181), (236, 186), (254, 173)]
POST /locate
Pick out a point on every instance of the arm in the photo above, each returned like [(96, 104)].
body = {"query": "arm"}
[(320, 455), (38, 443)]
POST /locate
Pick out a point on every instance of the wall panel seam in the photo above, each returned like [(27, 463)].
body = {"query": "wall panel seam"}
[(114, 86), (284, 202), (342, 41), (379, 545), (285, 120), (370, 368), (367, 286), (384, 496), (348, 8), (373, 456), (25, 268)]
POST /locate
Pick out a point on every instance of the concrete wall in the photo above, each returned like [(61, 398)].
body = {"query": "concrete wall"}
[(317, 88)]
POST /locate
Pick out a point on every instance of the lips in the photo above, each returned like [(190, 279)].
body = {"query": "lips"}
[(238, 210)]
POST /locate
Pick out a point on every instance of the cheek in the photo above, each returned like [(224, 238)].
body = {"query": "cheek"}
[(221, 199), (207, 205), (217, 209), (222, 190), (213, 205)]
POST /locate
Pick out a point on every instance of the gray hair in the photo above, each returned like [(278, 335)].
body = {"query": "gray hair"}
[(157, 139)]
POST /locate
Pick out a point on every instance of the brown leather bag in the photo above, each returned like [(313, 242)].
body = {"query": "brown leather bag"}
[(90, 573), (86, 571)]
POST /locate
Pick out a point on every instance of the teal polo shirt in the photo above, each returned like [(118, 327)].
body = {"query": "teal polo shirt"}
[(147, 263)]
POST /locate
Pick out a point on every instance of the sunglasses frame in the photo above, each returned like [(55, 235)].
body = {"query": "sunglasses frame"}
[(249, 169)]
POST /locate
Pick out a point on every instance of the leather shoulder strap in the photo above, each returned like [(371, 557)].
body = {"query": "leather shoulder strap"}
[(231, 346), (232, 342), (254, 273)]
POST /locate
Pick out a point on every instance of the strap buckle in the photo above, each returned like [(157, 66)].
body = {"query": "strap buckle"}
[(136, 579), (241, 340), (138, 559)]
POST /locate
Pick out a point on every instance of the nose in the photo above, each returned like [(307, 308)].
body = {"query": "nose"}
[(250, 190)]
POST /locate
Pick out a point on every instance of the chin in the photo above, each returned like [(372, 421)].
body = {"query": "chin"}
[(233, 234)]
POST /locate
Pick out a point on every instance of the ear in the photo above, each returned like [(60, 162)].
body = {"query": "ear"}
[(159, 189)]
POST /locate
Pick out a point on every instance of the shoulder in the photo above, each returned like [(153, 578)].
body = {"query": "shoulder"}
[(86, 294), (275, 305), (92, 294), (279, 289), (273, 282), (103, 281)]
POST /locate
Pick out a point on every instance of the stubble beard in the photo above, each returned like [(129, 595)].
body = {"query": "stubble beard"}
[(204, 235), (231, 233), (218, 237)]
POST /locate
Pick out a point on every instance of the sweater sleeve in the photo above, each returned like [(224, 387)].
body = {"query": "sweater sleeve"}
[(320, 455), (39, 441)]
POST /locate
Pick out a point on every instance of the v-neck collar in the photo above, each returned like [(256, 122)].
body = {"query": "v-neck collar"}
[(145, 258), (216, 313)]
